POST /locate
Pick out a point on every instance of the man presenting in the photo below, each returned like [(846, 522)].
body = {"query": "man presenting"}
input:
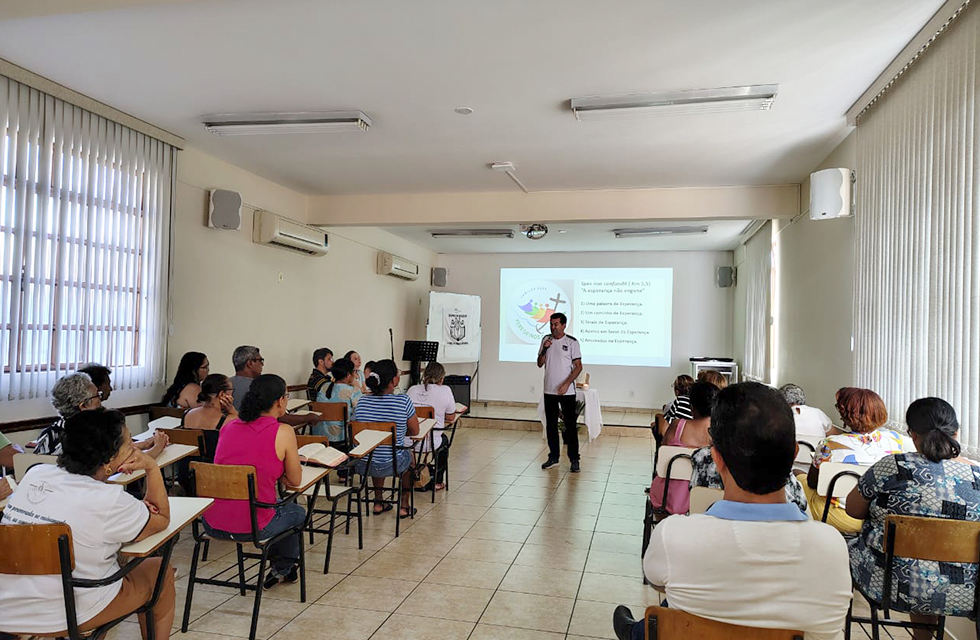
[(561, 357)]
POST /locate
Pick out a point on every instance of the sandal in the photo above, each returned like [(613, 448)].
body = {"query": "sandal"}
[(407, 514), (384, 507)]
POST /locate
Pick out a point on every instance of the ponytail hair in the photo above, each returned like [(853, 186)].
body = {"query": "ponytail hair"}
[(266, 391), (382, 373), (341, 368), (935, 422), (434, 374), (212, 385)]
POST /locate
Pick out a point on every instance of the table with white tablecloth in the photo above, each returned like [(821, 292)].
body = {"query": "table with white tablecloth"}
[(592, 417)]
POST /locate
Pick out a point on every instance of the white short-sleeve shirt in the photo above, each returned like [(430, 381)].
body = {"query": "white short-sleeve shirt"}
[(440, 398), (811, 422), (102, 517), (558, 363)]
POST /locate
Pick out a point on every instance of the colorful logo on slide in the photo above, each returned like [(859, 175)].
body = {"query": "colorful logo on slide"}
[(531, 307)]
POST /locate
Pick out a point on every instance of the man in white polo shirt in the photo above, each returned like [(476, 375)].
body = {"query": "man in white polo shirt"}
[(561, 357), (742, 561)]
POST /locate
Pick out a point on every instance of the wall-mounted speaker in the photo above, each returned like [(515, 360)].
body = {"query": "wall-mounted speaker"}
[(225, 209), (440, 276), (830, 194), (725, 277)]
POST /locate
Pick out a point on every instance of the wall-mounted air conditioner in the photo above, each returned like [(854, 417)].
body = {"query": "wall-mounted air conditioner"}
[(269, 228), (389, 265)]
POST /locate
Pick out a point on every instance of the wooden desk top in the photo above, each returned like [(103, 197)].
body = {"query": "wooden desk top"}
[(425, 427), (311, 475), (182, 512), (173, 453), (367, 441)]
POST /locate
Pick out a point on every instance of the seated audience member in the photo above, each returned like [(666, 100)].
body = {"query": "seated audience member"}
[(215, 407), (384, 405), (859, 441), (102, 517), (100, 378), (192, 370), (705, 474), (679, 407), (248, 363), (71, 395), (714, 377), (932, 482), (7, 451), (340, 389), (258, 439), (432, 393), (322, 363), (752, 559), (359, 374), (811, 423), (686, 433)]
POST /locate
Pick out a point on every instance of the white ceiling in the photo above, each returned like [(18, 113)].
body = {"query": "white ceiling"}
[(516, 62), (722, 235)]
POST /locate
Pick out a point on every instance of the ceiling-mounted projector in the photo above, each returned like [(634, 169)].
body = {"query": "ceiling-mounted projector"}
[(534, 231)]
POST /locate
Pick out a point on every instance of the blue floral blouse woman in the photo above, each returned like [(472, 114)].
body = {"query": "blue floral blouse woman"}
[(933, 482)]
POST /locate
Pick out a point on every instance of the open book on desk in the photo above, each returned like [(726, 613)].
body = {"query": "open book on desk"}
[(322, 455)]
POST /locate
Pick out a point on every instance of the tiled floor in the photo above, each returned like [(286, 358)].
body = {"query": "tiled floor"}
[(511, 553), (611, 416)]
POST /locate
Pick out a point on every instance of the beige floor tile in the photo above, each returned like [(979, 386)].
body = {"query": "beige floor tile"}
[(375, 594), (485, 550), (637, 500), (634, 488), (447, 601), (439, 526), (342, 559), (529, 491), (547, 582), (483, 487), (628, 512), (190, 635), (472, 499), (457, 512), (493, 632), (405, 627), (398, 566), (510, 516), (576, 521), (594, 619), (527, 611), (317, 584), (548, 557), (521, 502), (618, 542), (558, 538), (234, 617), (337, 623), (468, 573), (629, 526), (620, 564), (499, 531), (572, 507), (203, 602), (599, 587), (125, 631), (421, 543)]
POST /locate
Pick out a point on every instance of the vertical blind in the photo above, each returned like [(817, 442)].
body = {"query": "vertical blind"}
[(917, 280), (757, 268), (84, 245)]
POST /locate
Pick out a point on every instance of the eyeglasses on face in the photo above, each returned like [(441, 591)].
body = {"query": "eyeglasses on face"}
[(259, 360)]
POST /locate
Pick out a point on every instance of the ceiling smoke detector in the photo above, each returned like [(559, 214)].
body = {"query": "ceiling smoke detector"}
[(534, 231)]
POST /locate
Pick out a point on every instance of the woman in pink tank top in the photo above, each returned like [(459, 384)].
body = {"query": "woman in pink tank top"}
[(256, 438), (686, 433)]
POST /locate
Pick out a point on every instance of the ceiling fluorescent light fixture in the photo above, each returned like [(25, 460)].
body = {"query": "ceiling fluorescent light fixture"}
[(253, 124), (758, 97), (472, 233), (659, 231)]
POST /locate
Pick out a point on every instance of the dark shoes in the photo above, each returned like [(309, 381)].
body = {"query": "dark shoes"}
[(623, 623), (272, 579), (550, 462), (575, 467)]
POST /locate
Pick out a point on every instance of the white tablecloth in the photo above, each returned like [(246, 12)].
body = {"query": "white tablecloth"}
[(593, 412)]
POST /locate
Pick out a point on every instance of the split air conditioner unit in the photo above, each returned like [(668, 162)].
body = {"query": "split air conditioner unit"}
[(277, 231), (389, 265)]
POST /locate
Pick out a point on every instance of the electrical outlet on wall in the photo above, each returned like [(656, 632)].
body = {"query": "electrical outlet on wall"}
[(282, 277)]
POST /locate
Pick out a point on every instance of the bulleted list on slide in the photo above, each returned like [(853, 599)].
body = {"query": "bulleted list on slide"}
[(620, 316)]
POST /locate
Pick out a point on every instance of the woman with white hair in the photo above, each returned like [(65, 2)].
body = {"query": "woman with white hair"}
[(70, 396), (812, 424)]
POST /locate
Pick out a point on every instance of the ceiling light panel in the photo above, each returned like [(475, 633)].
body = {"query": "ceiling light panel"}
[(250, 124), (726, 99), (659, 231), (471, 233)]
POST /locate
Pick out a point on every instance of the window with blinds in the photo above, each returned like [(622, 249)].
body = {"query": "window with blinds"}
[(84, 244)]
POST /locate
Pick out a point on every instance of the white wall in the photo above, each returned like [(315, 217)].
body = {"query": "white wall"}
[(815, 262), (227, 290), (701, 321)]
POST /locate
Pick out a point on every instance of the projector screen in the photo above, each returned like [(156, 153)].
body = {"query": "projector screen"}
[(619, 316)]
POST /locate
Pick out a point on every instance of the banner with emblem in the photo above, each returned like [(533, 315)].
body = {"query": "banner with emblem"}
[(454, 322)]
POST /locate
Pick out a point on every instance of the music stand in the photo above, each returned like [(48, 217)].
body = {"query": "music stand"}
[(417, 352)]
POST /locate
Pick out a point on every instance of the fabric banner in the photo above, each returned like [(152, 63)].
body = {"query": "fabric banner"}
[(454, 322)]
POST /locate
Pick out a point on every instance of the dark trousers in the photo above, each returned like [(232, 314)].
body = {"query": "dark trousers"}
[(570, 434)]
